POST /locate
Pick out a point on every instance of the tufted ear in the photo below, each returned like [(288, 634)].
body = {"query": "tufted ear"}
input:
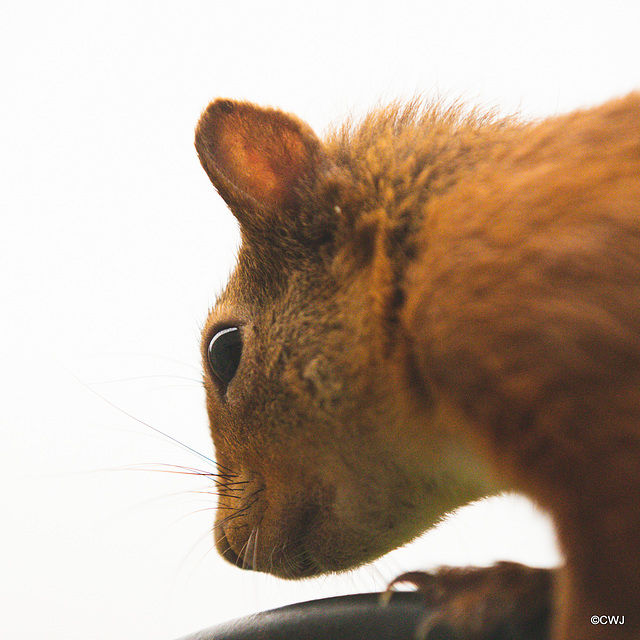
[(256, 158)]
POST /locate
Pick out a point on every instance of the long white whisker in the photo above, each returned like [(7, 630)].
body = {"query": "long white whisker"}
[(255, 549), (244, 552)]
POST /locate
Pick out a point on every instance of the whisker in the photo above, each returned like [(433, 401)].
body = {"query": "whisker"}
[(220, 478), (142, 422), (255, 548), (214, 494), (211, 548), (155, 356), (225, 487), (248, 549), (165, 387), (273, 550), (146, 377), (243, 551), (229, 518)]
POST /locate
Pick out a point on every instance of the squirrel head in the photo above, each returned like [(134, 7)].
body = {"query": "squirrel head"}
[(321, 465)]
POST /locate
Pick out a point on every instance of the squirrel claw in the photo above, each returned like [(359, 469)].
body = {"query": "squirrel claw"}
[(507, 601)]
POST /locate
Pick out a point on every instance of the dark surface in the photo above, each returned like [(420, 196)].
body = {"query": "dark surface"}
[(504, 601), (355, 617)]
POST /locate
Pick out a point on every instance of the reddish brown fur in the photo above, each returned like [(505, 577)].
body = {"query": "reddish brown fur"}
[(419, 283)]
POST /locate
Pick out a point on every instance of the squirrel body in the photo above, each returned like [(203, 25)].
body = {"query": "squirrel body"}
[(429, 306)]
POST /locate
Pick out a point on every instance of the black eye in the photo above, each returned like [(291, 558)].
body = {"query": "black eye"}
[(224, 354)]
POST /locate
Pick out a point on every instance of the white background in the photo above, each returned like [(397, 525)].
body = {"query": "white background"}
[(113, 245)]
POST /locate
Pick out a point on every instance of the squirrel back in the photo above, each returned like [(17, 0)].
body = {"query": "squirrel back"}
[(428, 307)]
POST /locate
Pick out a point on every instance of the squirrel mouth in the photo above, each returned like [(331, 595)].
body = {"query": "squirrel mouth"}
[(290, 561), (281, 552), (245, 559)]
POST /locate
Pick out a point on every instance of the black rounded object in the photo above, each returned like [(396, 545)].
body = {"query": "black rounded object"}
[(353, 617), (224, 352)]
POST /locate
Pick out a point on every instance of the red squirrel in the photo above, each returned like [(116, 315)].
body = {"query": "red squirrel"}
[(430, 306)]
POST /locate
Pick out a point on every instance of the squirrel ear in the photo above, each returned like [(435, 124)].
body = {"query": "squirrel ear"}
[(256, 158)]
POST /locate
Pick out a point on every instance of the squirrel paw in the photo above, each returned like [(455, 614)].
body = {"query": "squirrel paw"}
[(507, 601)]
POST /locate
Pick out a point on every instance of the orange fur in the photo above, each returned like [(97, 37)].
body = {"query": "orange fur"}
[(434, 306)]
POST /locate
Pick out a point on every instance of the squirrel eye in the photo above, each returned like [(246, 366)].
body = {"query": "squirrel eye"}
[(224, 354)]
